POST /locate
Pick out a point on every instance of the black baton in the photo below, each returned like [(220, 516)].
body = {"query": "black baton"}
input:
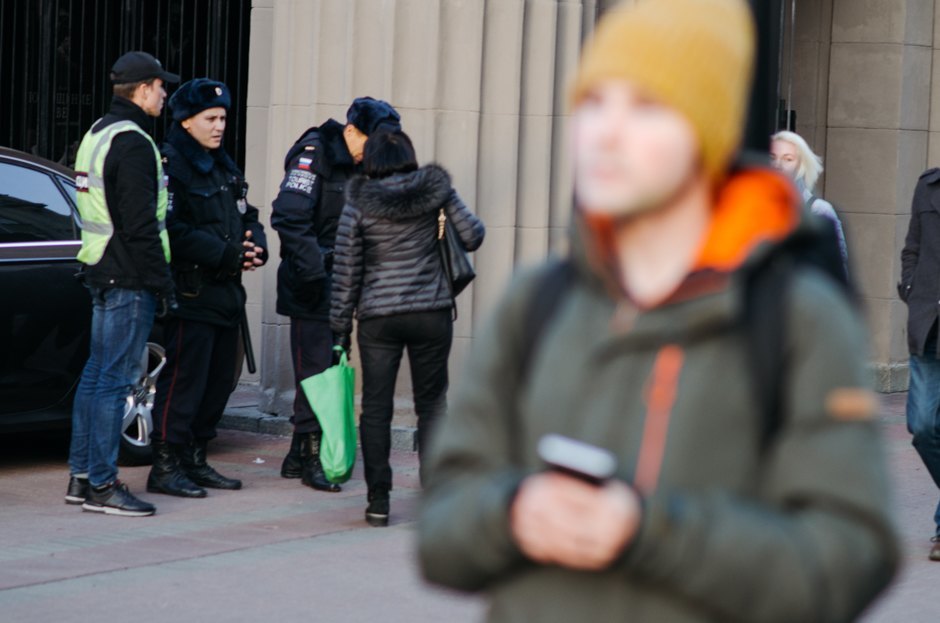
[(246, 342)]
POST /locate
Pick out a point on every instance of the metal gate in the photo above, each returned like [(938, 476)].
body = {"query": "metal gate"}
[(55, 56)]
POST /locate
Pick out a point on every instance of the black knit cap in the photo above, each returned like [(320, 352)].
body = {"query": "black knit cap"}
[(369, 114), (138, 67), (197, 95)]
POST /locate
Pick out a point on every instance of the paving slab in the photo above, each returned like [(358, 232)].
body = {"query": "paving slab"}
[(277, 550)]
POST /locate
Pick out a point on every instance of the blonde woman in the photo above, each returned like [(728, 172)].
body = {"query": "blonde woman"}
[(790, 153)]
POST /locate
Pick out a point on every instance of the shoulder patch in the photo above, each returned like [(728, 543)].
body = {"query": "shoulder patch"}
[(931, 176), (299, 180)]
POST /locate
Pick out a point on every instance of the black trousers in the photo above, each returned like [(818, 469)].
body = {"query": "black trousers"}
[(428, 337), (311, 346), (194, 387)]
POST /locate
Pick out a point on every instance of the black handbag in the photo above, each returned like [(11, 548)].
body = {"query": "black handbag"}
[(457, 266)]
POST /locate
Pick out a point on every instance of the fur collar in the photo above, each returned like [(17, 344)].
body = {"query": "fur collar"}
[(402, 196), (200, 159)]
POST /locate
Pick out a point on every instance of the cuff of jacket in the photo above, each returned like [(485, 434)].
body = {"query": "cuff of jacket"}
[(661, 521)]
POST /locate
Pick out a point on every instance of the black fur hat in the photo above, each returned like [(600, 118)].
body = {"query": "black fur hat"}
[(197, 95), (368, 114)]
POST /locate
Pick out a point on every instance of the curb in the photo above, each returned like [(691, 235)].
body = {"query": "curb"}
[(251, 420)]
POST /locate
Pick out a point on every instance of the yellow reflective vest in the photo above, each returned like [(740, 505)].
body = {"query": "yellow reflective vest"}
[(97, 227)]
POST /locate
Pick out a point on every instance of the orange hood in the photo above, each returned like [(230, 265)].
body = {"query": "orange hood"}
[(754, 206)]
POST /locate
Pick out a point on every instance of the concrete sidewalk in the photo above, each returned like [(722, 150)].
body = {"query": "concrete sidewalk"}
[(911, 597), (277, 551), (274, 551)]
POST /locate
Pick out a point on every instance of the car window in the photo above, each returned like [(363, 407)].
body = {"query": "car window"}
[(32, 208)]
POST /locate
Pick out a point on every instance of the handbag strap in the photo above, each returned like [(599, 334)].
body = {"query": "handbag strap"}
[(448, 277)]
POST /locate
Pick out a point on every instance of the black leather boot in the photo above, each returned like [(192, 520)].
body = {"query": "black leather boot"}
[(166, 475), (312, 471), (293, 463), (193, 461)]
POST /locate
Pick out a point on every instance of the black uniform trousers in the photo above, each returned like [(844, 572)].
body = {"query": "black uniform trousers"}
[(311, 346), (195, 384), (428, 337)]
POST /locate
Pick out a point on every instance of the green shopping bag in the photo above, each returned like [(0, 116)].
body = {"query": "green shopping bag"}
[(330, 395)]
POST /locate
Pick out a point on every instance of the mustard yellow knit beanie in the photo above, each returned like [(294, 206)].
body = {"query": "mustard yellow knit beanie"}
[(694, 55)]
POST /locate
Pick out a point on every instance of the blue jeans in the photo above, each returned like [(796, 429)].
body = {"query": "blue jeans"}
[(923, 415), (121, 322)]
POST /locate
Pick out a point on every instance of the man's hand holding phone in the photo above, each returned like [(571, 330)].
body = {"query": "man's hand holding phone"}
[(575, 515)]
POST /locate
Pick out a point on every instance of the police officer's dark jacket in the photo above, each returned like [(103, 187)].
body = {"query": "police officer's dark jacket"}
[(207, 221), (305, 214), (387, 260), (134, 257)]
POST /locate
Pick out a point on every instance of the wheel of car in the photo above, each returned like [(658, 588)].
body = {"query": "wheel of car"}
[(138, 420), (135, 437)]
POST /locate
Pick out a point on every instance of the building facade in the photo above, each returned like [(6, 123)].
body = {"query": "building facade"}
[(481, 85)]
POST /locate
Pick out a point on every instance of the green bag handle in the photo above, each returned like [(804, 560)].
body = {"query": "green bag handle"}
[(343, 359)]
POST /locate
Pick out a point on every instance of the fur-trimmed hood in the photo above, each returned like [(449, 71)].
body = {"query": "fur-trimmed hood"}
[(401, 196)]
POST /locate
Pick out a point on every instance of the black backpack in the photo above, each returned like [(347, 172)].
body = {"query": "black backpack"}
[(813, 246)]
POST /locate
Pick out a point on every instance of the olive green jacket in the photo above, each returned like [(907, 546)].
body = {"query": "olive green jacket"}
[(797, 533)]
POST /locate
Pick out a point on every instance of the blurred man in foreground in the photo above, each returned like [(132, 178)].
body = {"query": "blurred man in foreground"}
[(610, 454)]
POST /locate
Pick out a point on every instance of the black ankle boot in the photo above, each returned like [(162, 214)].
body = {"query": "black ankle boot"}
[(166, 475), (293, 463), (193, 461), (377, 511), (312, 471)]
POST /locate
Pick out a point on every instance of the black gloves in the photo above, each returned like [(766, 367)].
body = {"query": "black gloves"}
[(233, 257), (904, 291), (341, 340), (166, 304)]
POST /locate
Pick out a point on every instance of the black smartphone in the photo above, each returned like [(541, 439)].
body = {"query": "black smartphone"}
[(577, 458)]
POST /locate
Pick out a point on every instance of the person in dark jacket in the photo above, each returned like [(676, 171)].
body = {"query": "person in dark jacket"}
[(305, 214), (920, 289), (122, 200), (388, 273), (215, 236)]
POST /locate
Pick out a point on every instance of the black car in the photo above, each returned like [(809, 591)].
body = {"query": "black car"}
[(45, 312)]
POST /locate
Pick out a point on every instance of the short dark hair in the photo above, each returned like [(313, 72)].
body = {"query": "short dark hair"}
[(127, 89), (388, 152)]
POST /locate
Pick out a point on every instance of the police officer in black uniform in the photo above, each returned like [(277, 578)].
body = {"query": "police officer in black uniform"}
[(305, 215), (214, 237)]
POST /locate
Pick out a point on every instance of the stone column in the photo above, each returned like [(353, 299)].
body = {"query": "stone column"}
[(481, 88), (810, 71), (879, 116)]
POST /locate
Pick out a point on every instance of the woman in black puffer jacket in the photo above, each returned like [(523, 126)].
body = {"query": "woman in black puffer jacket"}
[(388, 272)]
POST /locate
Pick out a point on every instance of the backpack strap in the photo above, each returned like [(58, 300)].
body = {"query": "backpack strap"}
[(766, 301), (541, 308), (552, 287)]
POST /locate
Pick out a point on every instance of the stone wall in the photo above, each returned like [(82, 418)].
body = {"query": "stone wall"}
[(879, 117), (481, 88)]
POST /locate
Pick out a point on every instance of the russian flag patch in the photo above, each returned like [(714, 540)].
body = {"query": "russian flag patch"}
[(304, 163)]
